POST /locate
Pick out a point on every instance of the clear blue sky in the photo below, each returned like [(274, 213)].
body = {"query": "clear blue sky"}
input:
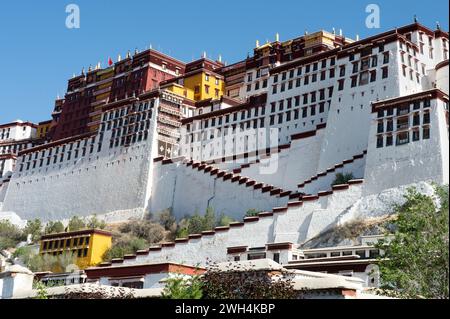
[(38, 53)]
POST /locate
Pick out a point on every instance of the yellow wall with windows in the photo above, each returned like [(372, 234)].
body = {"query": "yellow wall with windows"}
[(88, 248), (42, 130), (198, 84)]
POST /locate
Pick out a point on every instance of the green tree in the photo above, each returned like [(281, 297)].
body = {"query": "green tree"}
[(342, 178), (196, 224), (128, 244), (224, 220), (94, 222), (52, 263), (183, 288), (209, 220), (76, 223), (41, 290), (54, 227), (416, 261), (33, 227), (10, 235)]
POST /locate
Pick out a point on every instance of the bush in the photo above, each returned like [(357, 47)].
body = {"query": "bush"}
[(54, 227), (76, 223), (167, 220), (224, 220), (152, 233), (342, 178), (237, 283), (33, 227), (183, 288), (51, 263), (196, 224), (252, 212), (128, 244), (94, 222), (10, 235)]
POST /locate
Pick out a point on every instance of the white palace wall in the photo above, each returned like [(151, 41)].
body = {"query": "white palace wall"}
[(186, 190)]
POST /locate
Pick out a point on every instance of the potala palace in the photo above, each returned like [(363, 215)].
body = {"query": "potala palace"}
[(151, 133)]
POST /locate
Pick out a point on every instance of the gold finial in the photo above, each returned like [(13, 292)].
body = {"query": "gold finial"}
[(277, 37), (257, 43), (119, 58)]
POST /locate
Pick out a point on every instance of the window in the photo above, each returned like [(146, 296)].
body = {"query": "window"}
[(426, 118), (426, 133), (341, 85), (274, 89), (402, 138), (416, 119), (380, 127), (384, 72), (355, 67), (342, 70), (385, 57), (276, 257), (379, 141), (331, 73), (374, 61), (373, 76), (402, 123), (415, 136), (249, 87), (389, 125), (364, 78), (389, 140)]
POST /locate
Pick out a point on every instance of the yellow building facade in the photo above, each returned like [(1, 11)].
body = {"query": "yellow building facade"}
[(43, 128), (88, 246)]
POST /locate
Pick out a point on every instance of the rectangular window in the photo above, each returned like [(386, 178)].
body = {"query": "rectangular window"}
[(426, 118), (426, 133), (385, 72), (379, 141), (402, 138), (380, 127), (415, 136), (389, 140)]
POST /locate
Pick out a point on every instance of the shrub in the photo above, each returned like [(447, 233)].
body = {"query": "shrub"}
[(94, 222), (167, 220), (152, 233), (10, 235), (236, 283), (33, 227), (52, 263), (342, 178), (252, 212), (183, 288), (54, 227), (76, 223), (128, 244)]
